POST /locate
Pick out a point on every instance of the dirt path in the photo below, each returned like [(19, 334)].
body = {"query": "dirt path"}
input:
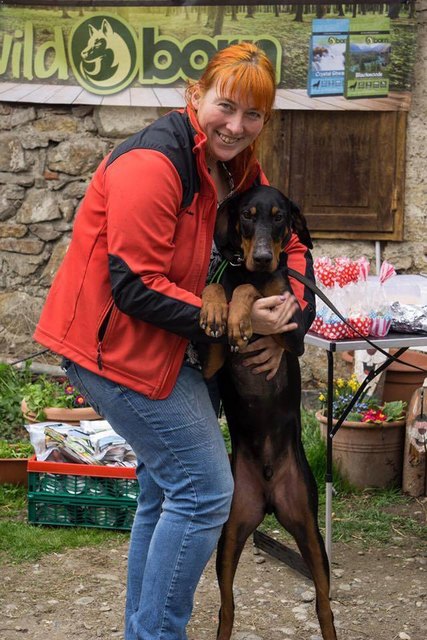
[(378, 594)]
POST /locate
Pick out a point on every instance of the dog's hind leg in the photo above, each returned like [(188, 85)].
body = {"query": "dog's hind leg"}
[(247, 512), (295, 505)]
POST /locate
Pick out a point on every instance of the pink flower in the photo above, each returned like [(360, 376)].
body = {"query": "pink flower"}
[(69, 389), (79, 401)]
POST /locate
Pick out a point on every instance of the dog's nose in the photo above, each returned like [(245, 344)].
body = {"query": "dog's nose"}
[(263, 258)]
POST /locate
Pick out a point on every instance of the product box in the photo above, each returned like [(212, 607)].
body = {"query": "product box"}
[(327, 57), (82, 495), (368, 59)]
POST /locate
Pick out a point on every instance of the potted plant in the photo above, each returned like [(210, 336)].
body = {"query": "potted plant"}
[(13, 461), (55, 400), (368, 447)]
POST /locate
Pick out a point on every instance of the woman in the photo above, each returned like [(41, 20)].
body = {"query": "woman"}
[(125, 304)]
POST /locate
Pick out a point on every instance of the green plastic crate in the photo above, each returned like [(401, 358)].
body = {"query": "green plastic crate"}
[(81, 513), (55, 484), (66, 494)]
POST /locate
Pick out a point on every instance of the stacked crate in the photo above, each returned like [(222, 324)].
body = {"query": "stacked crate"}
[(81, 495)]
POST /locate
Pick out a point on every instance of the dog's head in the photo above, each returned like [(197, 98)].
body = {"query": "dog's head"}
[(259, 223)]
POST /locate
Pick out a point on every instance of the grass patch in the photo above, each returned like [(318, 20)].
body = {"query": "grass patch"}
[(363, 518), (20, 541), (13, 501), (368, 518)]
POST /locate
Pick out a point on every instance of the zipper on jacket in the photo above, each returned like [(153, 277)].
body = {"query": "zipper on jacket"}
[(99, 356), (101, 333)]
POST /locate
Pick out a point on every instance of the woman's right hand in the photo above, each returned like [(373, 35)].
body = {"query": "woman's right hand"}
[(273, 314)]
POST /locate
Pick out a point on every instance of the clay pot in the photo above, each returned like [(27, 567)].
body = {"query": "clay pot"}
[(61, 414), (400, 381), (13, 471), (367, 454)]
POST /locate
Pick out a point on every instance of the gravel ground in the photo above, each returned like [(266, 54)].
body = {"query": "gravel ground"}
[(377, 594)]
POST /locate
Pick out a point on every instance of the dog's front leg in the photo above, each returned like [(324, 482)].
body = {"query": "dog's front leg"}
[(214, 311), (239, 315)]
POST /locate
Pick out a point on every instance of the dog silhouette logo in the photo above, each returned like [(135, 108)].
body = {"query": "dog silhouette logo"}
[(103, 54)]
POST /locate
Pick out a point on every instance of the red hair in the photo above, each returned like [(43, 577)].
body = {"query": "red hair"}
[(244, 71)]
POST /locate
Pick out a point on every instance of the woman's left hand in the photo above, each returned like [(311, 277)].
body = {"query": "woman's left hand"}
[(267, 360), (274, 314)]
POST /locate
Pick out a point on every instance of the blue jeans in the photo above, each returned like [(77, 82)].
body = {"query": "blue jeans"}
[(185, 495)]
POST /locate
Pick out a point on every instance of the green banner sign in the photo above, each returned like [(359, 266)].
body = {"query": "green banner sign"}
[(106, 49)]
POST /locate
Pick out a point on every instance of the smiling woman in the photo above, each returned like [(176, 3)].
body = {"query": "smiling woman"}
[(231, 112), (125, 305), (230, 125), (233, 106)]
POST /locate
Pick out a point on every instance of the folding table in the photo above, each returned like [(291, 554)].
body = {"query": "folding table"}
[(399, 341)]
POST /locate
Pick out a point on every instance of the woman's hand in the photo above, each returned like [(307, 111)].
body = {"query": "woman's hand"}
[(267, 360), (273, 314)]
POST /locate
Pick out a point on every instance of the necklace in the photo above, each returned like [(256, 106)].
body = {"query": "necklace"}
[(222, 178), (230, 184)]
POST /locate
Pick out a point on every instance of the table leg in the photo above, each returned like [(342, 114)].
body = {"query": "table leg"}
[(331, 430), (329, 473)]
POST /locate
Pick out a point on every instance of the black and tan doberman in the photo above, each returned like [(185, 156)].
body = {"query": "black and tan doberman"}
[(270, 468)]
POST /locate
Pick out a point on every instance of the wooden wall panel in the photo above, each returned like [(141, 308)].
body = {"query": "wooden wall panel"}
[(344, 169)]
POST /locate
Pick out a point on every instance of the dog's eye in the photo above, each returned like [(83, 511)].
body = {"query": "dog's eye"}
[(247, 215), (279, 217)]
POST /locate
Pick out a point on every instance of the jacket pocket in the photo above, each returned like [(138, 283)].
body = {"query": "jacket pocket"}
[(104, 329)]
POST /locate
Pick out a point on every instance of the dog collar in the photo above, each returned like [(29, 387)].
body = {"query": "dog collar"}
[(233, 256), (236, 261)]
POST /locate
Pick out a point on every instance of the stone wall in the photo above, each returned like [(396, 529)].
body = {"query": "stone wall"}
[(47, 156)]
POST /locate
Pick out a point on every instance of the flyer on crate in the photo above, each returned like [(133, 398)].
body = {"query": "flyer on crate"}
[(92, 442)]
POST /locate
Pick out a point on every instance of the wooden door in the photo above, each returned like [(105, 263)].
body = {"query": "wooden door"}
[(344, 169)]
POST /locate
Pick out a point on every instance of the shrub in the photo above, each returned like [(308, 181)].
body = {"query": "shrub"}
[(11, 382)]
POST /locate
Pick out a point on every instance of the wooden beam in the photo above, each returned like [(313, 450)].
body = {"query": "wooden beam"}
[(280, 551)]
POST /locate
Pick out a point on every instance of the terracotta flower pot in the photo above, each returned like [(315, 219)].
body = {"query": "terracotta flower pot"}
[(400, 381), (62, 414), (367, 454), (13, 471)]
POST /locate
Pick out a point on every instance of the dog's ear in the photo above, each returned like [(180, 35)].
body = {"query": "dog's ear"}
[(299, 225), (226, 233)]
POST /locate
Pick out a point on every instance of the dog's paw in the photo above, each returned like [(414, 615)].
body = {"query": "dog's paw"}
[(239, 334), (213, 319), (214, 311)]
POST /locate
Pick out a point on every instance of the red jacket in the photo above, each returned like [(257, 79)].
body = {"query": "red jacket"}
[(126, 299)]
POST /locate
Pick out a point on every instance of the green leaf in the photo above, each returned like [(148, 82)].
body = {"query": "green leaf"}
[(354, 416), (394, 410), (21, 449)]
